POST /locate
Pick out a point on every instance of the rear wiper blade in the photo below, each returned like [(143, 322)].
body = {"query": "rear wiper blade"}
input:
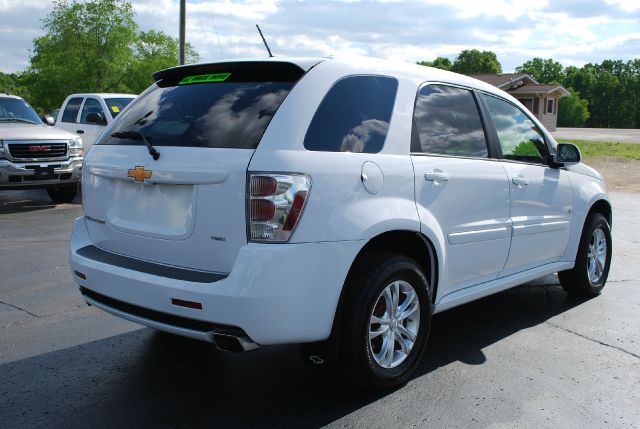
[(137, 135)]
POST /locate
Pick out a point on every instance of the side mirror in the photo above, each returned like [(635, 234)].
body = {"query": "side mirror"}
[(96, 118), (48, 120), (567, 154)]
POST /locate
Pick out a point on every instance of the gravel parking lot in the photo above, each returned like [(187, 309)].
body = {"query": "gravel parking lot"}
[(527, 357), (599, 134)]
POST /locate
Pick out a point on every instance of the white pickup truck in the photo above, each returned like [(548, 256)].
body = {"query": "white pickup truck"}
[(89, 114), (35, 155)]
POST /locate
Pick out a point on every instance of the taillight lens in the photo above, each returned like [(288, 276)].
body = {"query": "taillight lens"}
[(262, 186), (262, 210), (275, 204), (295, 212)]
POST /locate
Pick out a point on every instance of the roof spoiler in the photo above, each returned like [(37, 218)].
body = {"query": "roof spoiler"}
[(239, 71)]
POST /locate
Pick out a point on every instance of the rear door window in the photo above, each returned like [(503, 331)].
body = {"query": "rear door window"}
[(354, 116), (447, 122), (70, 113), (227, 105)]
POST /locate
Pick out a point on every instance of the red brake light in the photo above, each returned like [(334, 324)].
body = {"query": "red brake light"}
[(262, 210), (262, 186), (275, 202), (296, 211)]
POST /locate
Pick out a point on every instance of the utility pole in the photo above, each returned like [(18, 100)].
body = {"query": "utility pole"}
[(183, 15)]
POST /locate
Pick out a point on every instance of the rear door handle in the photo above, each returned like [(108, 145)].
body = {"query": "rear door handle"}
[(436, 176), (79, 131), (520, 181)]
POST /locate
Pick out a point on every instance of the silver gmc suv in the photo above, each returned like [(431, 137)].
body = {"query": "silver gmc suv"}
[(34, 154)]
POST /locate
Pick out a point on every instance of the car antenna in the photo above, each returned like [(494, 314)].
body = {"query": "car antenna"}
[(264, 41)]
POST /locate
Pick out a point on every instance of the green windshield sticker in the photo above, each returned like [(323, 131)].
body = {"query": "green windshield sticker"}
[(202, 78)]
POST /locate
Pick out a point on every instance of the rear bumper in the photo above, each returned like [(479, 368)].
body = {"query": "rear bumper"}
[(275, 293), (21, 175)]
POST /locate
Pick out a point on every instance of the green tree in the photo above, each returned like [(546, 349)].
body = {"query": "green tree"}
[(87, 47), (8, 83), (612, 91), (439, 63), (14, 84), (573, 111), (634, 66), (473, 61), (604, 93), (544, 71), (153, 51)]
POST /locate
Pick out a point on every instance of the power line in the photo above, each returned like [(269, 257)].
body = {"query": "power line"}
[(215, 28)]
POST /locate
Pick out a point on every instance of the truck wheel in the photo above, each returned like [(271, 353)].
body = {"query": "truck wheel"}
[(63, 194), (386, 321), (588, 276)]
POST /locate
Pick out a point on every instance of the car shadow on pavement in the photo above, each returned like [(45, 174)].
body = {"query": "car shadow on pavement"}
[(149, 379), (27, 201), (461, 334)]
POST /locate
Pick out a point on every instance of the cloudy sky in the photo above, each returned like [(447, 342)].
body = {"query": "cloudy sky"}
[(573, 32)]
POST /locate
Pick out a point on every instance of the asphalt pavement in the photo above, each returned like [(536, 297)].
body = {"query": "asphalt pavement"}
[(527, 357)]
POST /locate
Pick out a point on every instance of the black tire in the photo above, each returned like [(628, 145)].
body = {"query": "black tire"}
[(63, 194), (578, 281), (358, 360)]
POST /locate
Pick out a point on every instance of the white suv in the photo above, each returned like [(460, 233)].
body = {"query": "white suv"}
[(332, 202)]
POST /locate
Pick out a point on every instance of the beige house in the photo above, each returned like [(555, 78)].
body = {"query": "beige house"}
[(540, 99)]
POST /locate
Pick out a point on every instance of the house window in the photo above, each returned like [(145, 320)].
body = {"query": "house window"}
[(550, 102)]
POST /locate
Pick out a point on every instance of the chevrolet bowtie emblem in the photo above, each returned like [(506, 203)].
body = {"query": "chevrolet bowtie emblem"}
[(139, 174)]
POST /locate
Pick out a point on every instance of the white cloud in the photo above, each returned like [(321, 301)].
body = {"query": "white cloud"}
[(8, 5), (577, 31), (627, 5), (509, 9)]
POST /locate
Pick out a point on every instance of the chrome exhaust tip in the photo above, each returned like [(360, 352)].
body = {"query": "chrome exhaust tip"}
[(231, 343)]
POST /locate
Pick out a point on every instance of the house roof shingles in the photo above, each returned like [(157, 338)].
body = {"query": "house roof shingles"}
[(536, 89), (527, 84), (498, 79)]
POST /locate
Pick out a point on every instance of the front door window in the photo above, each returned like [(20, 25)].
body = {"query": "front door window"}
[(91, 105), (520, 139)]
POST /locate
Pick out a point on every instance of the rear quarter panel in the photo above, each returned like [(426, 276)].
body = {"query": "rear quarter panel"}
[(339, 207)]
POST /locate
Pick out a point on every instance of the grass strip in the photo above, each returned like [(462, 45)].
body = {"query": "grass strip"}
[(591, 149)]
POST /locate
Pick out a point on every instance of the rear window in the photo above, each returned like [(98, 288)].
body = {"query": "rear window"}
[(354, 116), (116, 105), (218, 106)]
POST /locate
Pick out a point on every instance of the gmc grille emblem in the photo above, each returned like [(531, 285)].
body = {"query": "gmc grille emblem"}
[(36, 148)]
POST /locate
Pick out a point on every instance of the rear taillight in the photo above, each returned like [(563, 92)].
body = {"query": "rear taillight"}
[(274, 205)]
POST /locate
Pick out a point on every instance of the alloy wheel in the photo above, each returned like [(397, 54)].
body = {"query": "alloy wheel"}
[(597, 256), (394, 324)]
